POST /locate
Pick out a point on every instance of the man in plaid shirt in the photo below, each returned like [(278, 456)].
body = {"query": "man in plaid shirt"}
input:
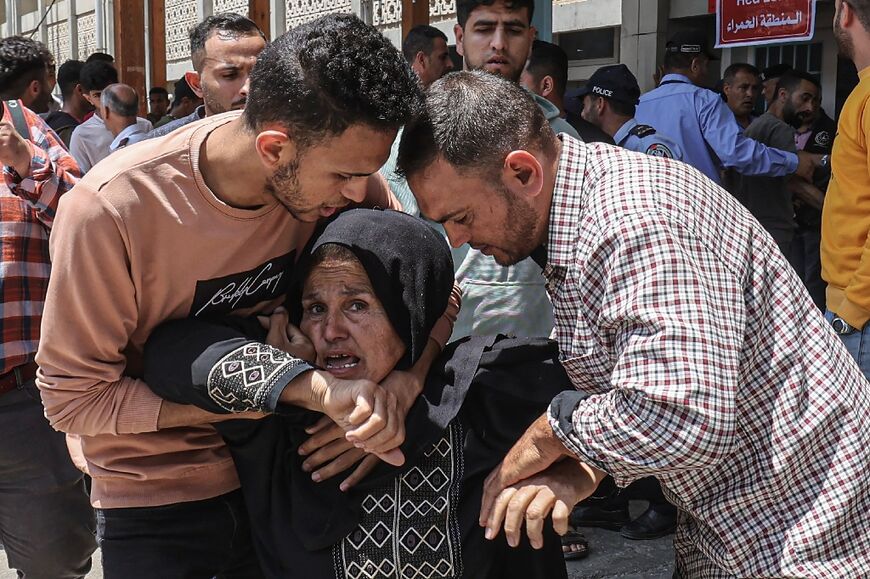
[(697, 355), (46, 522)]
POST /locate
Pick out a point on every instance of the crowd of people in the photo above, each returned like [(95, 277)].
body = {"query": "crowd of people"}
[(337, 310)]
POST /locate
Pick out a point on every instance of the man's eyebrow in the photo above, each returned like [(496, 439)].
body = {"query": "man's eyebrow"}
[(448, 217), (511, 22)]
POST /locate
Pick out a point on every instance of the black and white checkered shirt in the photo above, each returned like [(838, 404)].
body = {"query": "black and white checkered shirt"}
[(708, 366)]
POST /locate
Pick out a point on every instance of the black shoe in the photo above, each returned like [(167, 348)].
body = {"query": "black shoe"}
[(657, 521), (593, 514)]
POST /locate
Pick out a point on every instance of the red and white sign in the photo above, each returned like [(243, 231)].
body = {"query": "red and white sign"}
[(756, 22)]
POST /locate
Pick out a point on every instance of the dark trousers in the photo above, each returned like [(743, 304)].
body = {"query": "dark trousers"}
[(806, 259), (195, 540), (46, 520)]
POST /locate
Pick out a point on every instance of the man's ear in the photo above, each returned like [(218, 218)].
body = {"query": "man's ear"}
[(459, 33), (193, 80), (523, 174), (272, 147), (548, 86)]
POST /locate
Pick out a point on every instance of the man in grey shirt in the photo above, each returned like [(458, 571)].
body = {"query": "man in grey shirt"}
[(771, 199)]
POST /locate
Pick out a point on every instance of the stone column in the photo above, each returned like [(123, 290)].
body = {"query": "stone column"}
[(643, 37)]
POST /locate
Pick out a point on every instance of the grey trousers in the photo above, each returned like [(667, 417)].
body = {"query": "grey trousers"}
[(46, 521)]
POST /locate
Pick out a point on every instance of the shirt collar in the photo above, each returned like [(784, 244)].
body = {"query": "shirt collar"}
[(127, 132), (565, 206), (623, 131), (676, 78)]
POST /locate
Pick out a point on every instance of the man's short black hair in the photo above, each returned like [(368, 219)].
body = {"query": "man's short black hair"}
[(861, 8), (229, 23), (97, 75), (732, 71), (421, 38), (100, 56), (464, 8), (68, 76), (159, 90), (622, 108), (22, 60), (791, 81), (548, 59), (327, 75), (680, 60), (473, 120)]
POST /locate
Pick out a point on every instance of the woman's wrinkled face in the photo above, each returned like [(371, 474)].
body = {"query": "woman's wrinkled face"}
[(347, 324)]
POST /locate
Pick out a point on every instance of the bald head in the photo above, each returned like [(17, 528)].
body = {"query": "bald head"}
[(120, 103), (120, 99)]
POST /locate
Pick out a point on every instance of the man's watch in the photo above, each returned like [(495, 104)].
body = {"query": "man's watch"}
[(841, 326)]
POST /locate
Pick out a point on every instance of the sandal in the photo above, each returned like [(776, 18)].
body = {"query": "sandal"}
[(577, 544)]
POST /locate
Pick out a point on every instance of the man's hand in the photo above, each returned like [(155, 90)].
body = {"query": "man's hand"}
[(328, 446), (368, 413), (807, 165), (555, 490), (15, 151), (287, 337), (536, 450), (806, 193)]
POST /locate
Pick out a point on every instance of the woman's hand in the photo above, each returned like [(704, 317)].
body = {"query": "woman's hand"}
[(287, 337)]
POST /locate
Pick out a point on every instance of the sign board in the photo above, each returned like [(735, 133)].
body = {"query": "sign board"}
[(757, 22)]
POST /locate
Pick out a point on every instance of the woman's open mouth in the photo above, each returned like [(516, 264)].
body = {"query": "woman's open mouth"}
[(340, 361)]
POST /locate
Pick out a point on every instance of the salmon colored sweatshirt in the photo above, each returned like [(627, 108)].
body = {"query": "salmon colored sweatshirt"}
[(139, 241)]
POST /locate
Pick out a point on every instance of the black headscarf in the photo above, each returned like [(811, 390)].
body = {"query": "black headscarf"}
[(408, 264)]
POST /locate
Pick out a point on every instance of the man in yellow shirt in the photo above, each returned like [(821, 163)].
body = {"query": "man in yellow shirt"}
[(846, 214)]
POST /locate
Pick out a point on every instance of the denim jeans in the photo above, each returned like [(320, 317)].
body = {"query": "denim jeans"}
[(46, 520), (195, 540), (857, 342)]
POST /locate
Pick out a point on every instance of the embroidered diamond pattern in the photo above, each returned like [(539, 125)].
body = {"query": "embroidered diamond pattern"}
[(385, 503), (370, 569), (410, 509)]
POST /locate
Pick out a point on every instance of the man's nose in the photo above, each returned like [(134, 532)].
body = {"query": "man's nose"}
[(457, 235), (355, 189)]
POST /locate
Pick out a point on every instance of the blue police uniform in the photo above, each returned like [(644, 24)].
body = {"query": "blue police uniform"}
[(705, 129), (645, 139)]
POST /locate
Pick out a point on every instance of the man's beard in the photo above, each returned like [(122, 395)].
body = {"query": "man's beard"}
[(844, 42), (284, 187), (521, 226), (790, 116), (215, 107)]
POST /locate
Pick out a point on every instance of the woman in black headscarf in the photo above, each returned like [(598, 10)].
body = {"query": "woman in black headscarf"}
[(367, 295)]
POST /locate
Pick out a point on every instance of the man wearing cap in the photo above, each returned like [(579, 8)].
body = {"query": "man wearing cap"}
[(609, 102), (700, 121)]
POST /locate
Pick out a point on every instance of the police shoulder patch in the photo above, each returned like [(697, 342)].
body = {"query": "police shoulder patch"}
[(642, 131), (660, 150)]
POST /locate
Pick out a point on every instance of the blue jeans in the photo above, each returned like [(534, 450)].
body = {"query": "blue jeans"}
[(196, 540), (857, 342), (46, 519)]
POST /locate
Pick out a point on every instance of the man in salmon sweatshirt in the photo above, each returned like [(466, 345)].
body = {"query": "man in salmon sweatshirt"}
[(209, 220)]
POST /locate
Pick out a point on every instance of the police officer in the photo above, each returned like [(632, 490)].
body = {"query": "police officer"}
[(703, 125), (609, 101)]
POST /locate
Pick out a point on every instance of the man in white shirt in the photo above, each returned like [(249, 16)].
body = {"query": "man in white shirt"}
[(90, 140), (120, 102)]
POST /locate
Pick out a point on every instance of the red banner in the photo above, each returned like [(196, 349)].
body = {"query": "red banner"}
[(756, 22)]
